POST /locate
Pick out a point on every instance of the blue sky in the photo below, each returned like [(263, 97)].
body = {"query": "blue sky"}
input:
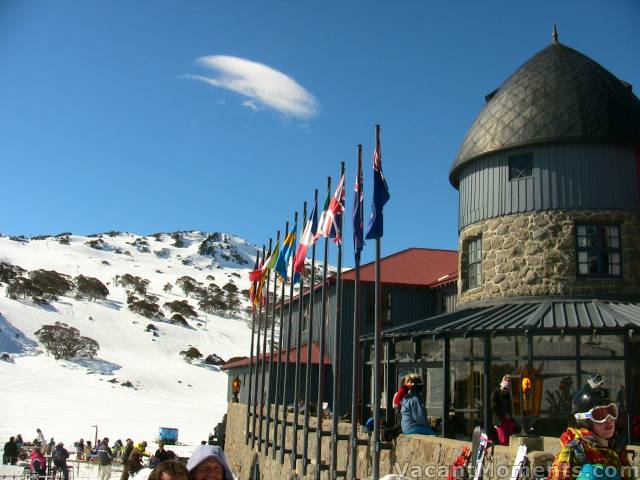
[(157, 116)]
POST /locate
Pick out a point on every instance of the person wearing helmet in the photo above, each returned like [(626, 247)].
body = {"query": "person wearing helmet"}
[(587, 450), (414, 415)]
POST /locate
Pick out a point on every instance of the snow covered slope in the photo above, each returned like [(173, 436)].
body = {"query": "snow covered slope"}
[(65, 398)]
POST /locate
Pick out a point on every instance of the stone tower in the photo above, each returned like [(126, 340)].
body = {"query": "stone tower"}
[(548, 180)]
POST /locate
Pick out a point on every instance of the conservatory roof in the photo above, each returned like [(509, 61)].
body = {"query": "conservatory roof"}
[(527, 315)]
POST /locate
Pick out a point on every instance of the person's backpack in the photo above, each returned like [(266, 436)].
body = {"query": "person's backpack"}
[(58, 457)]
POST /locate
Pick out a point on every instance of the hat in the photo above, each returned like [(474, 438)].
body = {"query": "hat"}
[(203, 452)]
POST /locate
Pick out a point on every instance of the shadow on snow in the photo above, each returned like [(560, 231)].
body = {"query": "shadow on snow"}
[(13, 340)]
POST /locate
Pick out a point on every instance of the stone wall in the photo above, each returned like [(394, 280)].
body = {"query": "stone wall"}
[(412, 456), (242, 458), (535, 254)]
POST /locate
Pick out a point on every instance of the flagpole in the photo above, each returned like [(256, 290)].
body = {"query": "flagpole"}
[(253, 329), (285, 411), (255, 378), (263, 369), (279, 361), (376, 368), (336, 352), (377, 354), (307, 386), (296, 388), (268, 391), (355, 385), (323, 317)]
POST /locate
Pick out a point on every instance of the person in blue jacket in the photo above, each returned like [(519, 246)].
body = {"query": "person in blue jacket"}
[(414, 415)]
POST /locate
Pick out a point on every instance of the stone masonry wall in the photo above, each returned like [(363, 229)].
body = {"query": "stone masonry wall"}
[(412, 456), (535, 254)]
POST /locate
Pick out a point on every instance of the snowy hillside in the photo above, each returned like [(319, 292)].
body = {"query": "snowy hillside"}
[(138, 381)]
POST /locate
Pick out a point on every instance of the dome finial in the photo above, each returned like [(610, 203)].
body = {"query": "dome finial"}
[(554, 35)]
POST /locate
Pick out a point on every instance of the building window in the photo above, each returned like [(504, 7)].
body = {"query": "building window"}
[(385, 307), (474, 269), (520, 166), (599, 252), (447, 302)]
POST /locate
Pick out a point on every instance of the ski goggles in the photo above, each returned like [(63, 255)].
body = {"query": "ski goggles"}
[(599, 414)]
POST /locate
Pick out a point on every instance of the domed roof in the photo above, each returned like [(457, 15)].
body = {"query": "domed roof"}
[(559, 95)]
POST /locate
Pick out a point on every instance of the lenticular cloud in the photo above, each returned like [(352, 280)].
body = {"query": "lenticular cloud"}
[(263, 85)]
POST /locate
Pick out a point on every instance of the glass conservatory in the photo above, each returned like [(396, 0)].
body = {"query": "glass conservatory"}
[(463, 355)]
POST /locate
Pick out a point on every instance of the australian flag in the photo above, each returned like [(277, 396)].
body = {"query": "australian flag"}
[(358, 214), (380, 194)]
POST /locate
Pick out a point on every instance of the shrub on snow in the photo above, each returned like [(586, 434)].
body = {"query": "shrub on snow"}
[(191, 354), (91, 288), (65, 342), (146, 309), (182, 307)]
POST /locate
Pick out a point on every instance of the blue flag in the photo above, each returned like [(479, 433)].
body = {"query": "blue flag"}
[(288, 245), (380, 196), (358, 214)]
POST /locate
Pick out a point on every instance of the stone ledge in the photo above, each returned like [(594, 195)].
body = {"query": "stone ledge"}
[(414, 456)]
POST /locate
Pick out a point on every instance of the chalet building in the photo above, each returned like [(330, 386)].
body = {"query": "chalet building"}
[(549, 249), (547, 272), (416, 283)]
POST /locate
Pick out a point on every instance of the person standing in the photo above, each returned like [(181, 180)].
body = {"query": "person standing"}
[(105, 458), (117, 449), (48, 448), (59, 457), (135, 459), (40, 438), (10, 454), (88, 450), (587, 451), (501, 410), (79, 445), (414, 415), (125, 459)]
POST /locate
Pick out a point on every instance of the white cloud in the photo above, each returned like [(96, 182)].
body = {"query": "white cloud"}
[(263, 85)]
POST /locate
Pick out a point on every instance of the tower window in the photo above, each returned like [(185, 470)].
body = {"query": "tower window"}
[(599, 251), (474, 254), (520, 166)]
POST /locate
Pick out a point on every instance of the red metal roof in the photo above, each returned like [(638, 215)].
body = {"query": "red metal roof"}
[(427, 267), (315, 356), (413, 266)]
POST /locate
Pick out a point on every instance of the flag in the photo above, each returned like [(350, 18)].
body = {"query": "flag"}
[(330, 222), (266, 265), (254, 286), (380, 195), (306, 240), (288, 246), (259, 296), (271, 261), (257, 274), (358, 214)]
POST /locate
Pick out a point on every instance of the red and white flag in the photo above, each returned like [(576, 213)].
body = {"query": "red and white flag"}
[(307, 240), (330, 223)]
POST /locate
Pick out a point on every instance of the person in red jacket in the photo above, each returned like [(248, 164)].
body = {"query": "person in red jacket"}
[(37, 464), (400, 394)]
